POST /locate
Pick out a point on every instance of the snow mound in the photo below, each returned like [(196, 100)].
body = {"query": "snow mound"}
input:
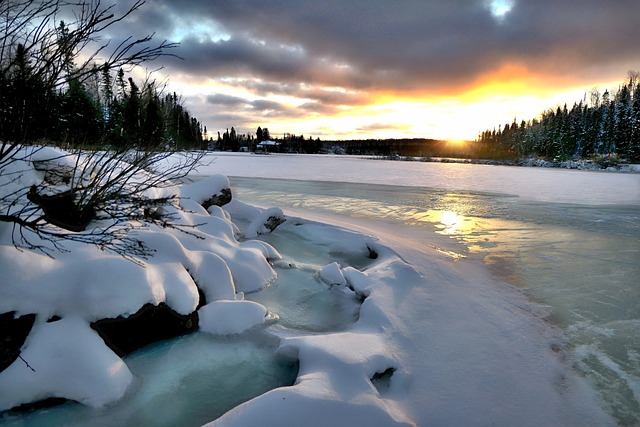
[(231, 317), (66, 359), (265, 222), (332, 275), (208, 191), (83, 284)]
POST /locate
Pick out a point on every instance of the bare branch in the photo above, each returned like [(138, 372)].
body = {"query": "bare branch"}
[(107, 199), (36, 27)]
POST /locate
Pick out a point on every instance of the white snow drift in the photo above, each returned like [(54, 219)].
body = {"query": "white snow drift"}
[(66, 358)]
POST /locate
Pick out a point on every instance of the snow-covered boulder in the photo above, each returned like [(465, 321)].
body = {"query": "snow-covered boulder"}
[(211, 191), (66, 359), (265, 222), (231, 317)]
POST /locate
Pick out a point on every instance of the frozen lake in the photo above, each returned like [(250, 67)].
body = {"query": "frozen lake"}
[(569, 239), (445, 315)]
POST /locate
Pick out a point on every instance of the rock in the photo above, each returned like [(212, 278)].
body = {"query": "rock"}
[(214, 190), (265, 222), (13, 333), (151, 323), (219, 199), (61, 209)]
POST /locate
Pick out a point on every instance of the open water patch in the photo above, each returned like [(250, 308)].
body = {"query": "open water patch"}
[(195, 379), (186, 381)]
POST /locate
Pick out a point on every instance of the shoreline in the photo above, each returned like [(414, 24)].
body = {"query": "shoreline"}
[(586, 165)]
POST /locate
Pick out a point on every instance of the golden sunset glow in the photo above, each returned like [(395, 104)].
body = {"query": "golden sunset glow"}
[(416, 70), (494, 100)]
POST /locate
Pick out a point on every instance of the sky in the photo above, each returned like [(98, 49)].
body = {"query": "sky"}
[(337, 69)]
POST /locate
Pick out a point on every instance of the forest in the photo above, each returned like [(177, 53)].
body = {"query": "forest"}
[(49, 94), (606, 126)]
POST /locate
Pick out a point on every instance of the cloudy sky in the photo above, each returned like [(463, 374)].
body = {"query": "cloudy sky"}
[(388, 68)]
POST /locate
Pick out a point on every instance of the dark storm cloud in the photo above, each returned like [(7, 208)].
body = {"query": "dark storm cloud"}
[(220, 99), (405, 44), (301, 48), (260, 106)]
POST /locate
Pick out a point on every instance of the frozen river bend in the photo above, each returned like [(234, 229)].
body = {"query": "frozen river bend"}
[(394, 303), (569, 240)]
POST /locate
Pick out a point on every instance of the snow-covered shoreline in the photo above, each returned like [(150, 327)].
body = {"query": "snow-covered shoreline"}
[(437, 341), (586, 165), (463, 349)]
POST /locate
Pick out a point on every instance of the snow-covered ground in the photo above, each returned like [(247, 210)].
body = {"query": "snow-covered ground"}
[(438, 339)]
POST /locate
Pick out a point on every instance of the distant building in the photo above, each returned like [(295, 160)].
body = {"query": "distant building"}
[(268, 146)]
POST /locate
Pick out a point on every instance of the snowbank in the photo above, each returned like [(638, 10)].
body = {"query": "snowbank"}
[(71, 289), (66, 359), (436, 342)]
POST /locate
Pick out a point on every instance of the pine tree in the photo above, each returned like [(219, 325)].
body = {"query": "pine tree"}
[(131, 114), (152, 126), (634, 141), (80, 116)]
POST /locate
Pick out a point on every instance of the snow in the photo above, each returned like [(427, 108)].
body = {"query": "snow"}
[(260, 225), (86, 284), (231, 317), (66, 359), (542, 184), (452, 345), (202, 190), (463, 351)]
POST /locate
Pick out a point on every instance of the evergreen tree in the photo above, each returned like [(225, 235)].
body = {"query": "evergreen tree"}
[(27, 108), (131, 114), (80, 116), (634, 124), (608, 124), (152, 127)]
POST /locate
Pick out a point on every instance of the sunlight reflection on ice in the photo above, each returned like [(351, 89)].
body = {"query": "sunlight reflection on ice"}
[(579, 260)]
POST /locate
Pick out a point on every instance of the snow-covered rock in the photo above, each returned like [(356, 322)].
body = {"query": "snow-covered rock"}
[(85, 285), (265, 222), (66, 359), (214, 190), (231, 317)]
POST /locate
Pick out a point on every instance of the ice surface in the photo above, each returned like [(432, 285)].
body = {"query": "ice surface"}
[(541, 184), (578, 259)]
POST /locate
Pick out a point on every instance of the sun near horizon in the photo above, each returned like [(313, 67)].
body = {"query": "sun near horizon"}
[(459, 115)]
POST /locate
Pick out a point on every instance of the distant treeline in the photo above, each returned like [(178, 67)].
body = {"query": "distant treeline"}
[(416, 147), (606, 125)]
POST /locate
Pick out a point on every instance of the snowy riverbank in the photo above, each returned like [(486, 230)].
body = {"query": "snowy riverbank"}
[(437, 341)]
